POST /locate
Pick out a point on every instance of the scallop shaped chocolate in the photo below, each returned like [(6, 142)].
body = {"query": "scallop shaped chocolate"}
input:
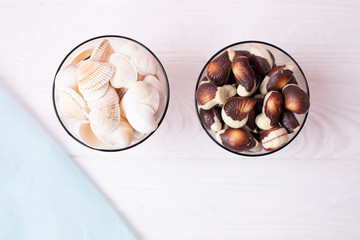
[(262, 59), (211, 119), (236, 110), (277, 78), (209, 95), (236, 139), (289, 121), (295, 99), (218, 69), (244, 76), (274, 138)]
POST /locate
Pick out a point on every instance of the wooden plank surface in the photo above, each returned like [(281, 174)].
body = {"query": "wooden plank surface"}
[(179, 184)]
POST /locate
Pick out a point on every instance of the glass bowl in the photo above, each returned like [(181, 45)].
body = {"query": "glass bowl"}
[(81, 130), (281, 57)]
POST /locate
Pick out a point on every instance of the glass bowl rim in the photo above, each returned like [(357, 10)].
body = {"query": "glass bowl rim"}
[(166, 104), (199, 79)]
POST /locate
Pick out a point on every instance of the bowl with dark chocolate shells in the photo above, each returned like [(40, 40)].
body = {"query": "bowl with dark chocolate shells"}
[(252, 98)]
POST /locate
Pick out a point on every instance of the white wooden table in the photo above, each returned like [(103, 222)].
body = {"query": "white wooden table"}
[(179, 184)]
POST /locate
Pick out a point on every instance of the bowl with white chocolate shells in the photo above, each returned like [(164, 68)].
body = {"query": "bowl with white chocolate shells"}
[(110, 93), (252, 98)]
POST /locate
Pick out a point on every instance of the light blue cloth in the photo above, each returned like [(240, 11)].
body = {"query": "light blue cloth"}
[(43, 194)]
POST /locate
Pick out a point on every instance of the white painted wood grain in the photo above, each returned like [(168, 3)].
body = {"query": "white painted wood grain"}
[(179, 184)]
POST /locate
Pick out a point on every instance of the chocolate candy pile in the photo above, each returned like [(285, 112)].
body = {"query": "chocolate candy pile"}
[(249, 101)]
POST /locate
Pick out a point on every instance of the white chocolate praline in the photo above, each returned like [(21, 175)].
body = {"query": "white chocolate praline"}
[(275, 139), (231, 122), (220, 98), (263, 122), (262, 52), (230, 90)]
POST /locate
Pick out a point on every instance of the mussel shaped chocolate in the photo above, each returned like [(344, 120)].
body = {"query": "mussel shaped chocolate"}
[(236, 139), (218, 70), (274, 138), (289, 121), (262, 59), (244, 76), (295, 99), (211, 119), (208, 95), (277, 78), (271, 112), (236, 110)]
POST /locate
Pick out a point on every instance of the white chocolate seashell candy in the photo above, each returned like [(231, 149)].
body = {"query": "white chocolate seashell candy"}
[(125, 74), (93, 76), (121, 137), (105, 113), (72, 105), (102, 52), (67, 77), (143, 93), (128, 48), (144, 62)]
